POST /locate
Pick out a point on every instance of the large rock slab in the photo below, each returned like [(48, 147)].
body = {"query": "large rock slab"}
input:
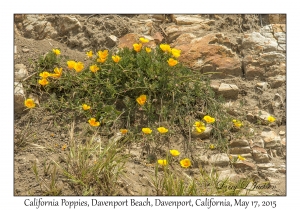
[(210, 53), (219, 160)]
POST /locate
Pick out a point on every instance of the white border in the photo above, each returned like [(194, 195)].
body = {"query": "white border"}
[(8, 201)]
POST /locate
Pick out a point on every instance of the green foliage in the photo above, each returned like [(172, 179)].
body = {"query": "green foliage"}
[(173, 92)]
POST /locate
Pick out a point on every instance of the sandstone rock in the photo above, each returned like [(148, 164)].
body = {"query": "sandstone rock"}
[(258, 142), (228, 91), (244, 165), (280, 36), (230, 175), (258, 43), (214, 84), (283, 142), (20, 72), (67, 23), (210, 54), (252, 72), (188, 20), (219, 159), (239, 150), (247, 155), (281, 133), (277, 81), (261, 116), (144, 27), (265, 165), (158, 38), (271, 58), (175, 31), (19, 98), (129, 39), (239, 143), (260, 155), (262, 85), (203, 159), (271, 139), (204, 135)]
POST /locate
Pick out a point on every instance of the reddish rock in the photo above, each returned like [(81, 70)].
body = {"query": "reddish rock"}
[(244, 165), (129, 39), (209, 54)]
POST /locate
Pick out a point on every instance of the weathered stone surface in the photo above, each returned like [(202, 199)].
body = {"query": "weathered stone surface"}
[(262, 85), (67, 23), (271, 139), (283, 142), (239, 143), (203, 159), (244, 165), (252, 72), (210, 53), (246, 155), (258, 142), (19, 98), (277, 81), (219, 159), (20, 72), (129, 39), (188, 20), (214, 84), (239, 150), (257, 42), (200, 29), (260, 155), (228, 91), (265, 165), (204, 135), (231, 175)]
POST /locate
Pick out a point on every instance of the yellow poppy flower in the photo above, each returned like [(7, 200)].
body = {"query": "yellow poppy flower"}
[(174, 152), (162, 162), (199, 127), (57, 73), (211, 146), (146, 130), (101, 60), (185, 163), (137, 47), (144, 40), (78, 66), (85, 107), (141, 99), (162, 130), (71, 64), (148, 49), (29, 103), (271, 119), (93, 122), (172, 62), (103, 54), (44, 74), (175, 52), (237, 123), (94, 68), (43, 82), (209, 119), (123, 131), (56, 51), (241, 158), (116, 58), (165, 47), (89, 54)]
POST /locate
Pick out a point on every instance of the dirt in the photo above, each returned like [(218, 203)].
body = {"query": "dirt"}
[(47, 140)]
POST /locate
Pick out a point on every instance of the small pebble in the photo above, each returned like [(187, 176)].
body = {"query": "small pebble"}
[(25, 50)]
